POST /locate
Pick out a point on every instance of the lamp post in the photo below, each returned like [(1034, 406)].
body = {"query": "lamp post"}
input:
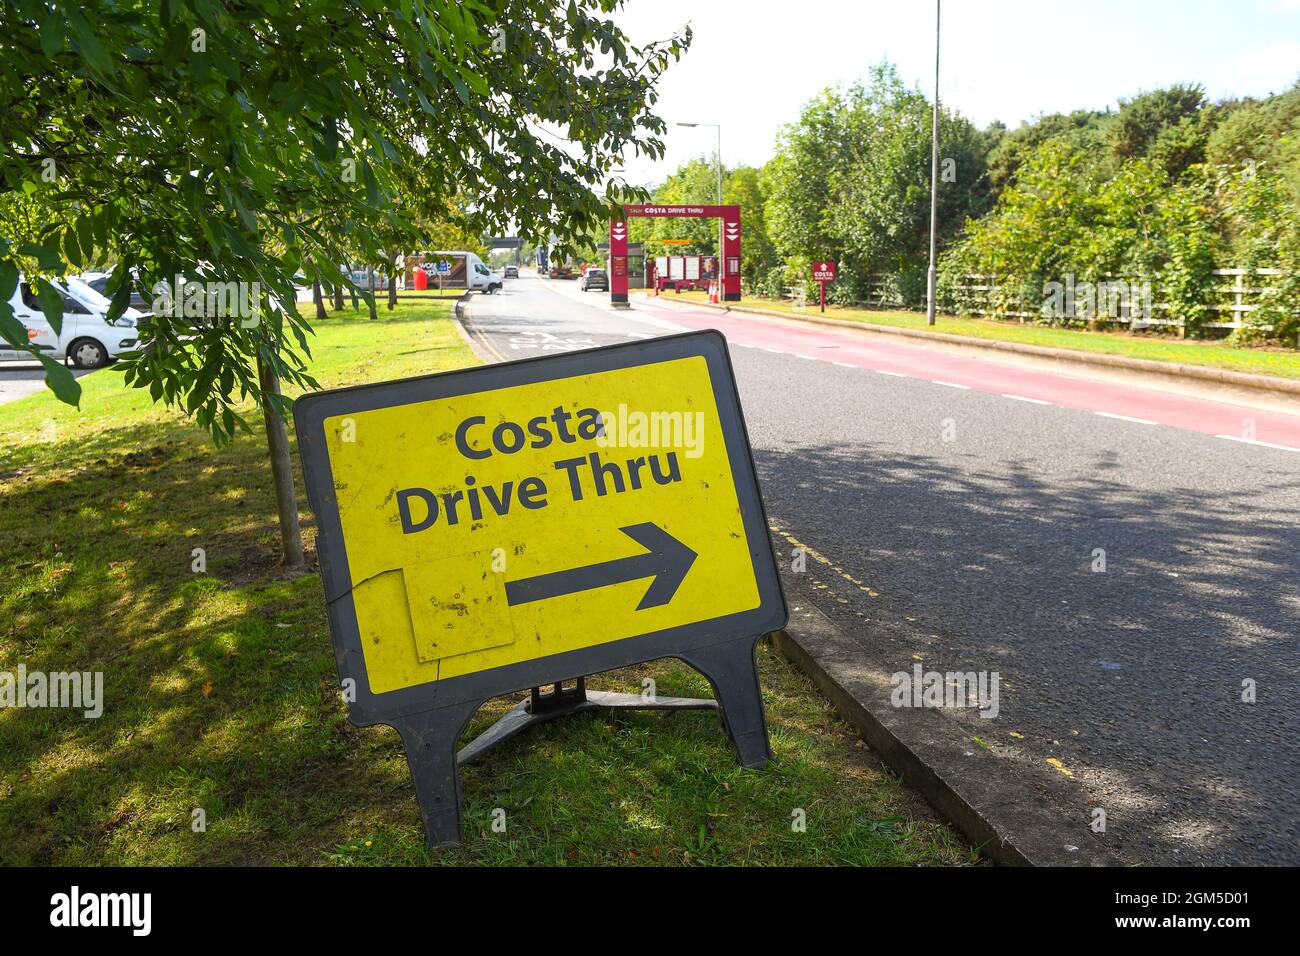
[(932, 275), (718, 127)]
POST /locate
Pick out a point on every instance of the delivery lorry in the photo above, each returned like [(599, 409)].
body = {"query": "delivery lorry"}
[(453, 269)]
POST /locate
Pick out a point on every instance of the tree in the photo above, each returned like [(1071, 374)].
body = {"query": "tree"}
[(745, 187), (697, 182), (1261, 134), (693, 182), (1141, 120), (237, 143), (392, 271), (851, 182), (318, 298), (812, 155), (1009, 150), (882, 215), (1067, 219)]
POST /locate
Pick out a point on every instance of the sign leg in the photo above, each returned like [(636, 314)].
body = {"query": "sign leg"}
[(430, 740), (733, 672)]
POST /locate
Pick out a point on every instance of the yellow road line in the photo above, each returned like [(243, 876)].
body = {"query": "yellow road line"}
[(812, 552)]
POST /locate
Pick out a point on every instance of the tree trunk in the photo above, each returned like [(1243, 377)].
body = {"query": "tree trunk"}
[(277, 442), (338, 296), (370, 277), (392, 282), (318, 297)]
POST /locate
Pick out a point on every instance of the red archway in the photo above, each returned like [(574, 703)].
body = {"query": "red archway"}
[(728, 261)]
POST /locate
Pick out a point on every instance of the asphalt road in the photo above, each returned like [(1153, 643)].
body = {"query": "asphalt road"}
[(956, 508), (18, 379)]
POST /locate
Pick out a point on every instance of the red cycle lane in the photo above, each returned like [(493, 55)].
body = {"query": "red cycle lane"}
[(1147, 406)]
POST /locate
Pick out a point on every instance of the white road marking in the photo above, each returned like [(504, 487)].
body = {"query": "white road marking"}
[(895, 374), (1022, 398), (657, 323), (1127, 418), (1255, 441), (808, 357), (846, 365), (773, 351), (935, 381)]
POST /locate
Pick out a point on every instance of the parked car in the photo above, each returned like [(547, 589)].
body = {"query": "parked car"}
[(87, 337), (99, 282), (512, 272), (595, 279)]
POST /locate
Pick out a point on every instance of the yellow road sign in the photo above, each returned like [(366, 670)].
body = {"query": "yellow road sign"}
[(483, 527), (514, 525)]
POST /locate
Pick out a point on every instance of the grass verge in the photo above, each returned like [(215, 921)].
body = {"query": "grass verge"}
[(221, 693), (1256, 360)]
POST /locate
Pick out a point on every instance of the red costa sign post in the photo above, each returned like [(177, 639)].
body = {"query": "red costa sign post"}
[(728, 261), (823, 272)]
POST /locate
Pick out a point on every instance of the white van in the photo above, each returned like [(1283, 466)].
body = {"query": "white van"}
[(87, 337), (459, 269)]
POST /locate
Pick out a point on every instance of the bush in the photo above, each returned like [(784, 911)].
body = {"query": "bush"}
[(1264, 227)]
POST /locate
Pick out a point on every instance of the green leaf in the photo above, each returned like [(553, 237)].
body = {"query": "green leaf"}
[(70, 248), (211, 368), (122, 297), (86, 237), (327, 147), (52, 33), (59, 379), (47, 258), (11, 330), (476, 82), (51, 303), (8, 282), (92, 50), (372, 185)]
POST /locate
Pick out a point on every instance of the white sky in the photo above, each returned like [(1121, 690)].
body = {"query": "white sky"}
[(754, 63)]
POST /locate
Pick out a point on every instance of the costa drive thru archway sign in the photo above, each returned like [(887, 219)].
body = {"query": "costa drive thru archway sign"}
[(493, 529)]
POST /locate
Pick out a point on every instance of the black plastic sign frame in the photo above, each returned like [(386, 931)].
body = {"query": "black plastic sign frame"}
[(431, 716)]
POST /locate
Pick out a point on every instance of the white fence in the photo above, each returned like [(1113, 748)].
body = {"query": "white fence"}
[(1232, 302)]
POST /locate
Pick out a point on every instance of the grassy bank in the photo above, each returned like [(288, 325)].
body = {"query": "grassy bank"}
[(1258, 361), (221, 692)]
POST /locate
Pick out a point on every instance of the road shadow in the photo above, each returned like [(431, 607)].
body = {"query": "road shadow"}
[(1132, 677)]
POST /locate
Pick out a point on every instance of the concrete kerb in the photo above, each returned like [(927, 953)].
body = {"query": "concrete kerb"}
[(1016, 815)]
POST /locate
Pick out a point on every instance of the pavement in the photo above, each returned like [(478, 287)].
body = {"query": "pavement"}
[(19, 379), (1121, 556)]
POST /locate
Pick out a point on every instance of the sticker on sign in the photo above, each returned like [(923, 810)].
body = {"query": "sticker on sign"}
[(498, 528)]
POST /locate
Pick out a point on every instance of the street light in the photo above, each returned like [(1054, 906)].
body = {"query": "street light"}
[(718, 127), (932, 276)]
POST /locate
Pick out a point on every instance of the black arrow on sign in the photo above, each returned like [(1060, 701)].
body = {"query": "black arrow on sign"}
[(666, 560)]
